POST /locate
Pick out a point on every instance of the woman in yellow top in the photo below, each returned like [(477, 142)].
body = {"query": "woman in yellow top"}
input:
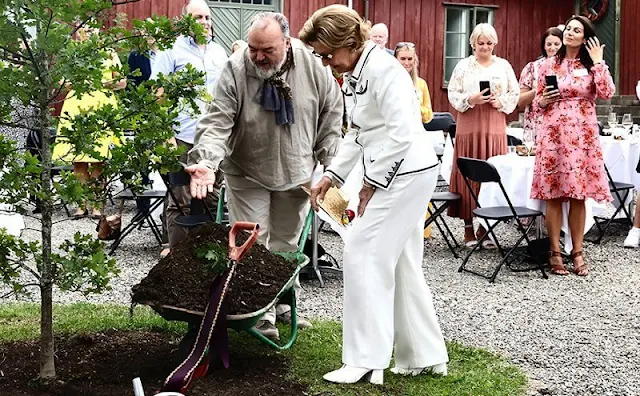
[(405, 52), (74, 105)]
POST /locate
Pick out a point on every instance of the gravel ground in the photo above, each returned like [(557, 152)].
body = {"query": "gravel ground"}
[(571, 335)]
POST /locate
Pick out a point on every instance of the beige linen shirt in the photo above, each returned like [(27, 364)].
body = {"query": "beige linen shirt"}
[(239, 131)]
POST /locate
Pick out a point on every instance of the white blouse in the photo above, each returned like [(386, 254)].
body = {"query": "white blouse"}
[(466, 77)]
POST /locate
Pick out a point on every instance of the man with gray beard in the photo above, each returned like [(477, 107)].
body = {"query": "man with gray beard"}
[(276, 113)]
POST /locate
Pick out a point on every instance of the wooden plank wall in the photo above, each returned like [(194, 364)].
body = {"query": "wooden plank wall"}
[(146, 8), (519, 25), (629, 70), (298, 11)]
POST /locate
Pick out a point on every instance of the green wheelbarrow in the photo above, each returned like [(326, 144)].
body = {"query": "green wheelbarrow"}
[(207, 335), (246, 322)]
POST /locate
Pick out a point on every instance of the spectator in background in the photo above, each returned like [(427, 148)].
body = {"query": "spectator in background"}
[(139, 72), (405, 52), (380, 35), (238, 45), (481, 127), (549, 46), (85, 167), (569, 164), (209, 59)]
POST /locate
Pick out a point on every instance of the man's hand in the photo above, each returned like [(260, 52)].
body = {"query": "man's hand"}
[(318, 191), (202, 180)]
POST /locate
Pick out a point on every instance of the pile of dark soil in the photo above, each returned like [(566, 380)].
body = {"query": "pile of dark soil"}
[(105, 364), (182, 280)]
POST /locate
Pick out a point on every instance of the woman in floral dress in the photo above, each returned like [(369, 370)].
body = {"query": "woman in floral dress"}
[(550, 44), (481, 127), (569, 164)]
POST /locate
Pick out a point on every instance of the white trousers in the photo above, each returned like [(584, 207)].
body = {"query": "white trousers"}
[(386, 297), (280, 214)]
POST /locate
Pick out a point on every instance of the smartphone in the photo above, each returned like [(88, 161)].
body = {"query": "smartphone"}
[(551, 81), (484, 85)]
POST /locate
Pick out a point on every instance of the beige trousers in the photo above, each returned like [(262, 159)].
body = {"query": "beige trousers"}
[(280, 214)]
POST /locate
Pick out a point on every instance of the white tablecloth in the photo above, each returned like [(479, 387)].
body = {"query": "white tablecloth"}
[(621, 157), (11, 221), (517, 176)]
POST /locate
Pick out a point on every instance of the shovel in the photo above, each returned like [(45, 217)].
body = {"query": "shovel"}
[(213, 329)]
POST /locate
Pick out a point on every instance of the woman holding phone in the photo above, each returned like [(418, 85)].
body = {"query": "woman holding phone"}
[(549, 45), (569, 164), (483, 89)]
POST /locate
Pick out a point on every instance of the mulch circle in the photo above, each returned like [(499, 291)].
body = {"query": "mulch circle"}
[(104, 364), (182, 280)]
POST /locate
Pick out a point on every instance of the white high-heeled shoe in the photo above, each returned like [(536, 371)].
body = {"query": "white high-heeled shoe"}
[(351, 375), (440, 369)]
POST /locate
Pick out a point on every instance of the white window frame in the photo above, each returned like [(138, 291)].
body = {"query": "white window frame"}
[(471, 15)]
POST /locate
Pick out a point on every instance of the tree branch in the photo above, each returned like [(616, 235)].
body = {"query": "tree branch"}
[(30, 270), (15, 54), (13, 292), (32, 57)]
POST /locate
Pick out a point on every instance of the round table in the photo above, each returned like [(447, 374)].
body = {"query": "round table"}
[(516, 173)]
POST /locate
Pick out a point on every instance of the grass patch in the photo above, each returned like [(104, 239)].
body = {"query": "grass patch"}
[(21, 321), (317, 351), (471, 371)]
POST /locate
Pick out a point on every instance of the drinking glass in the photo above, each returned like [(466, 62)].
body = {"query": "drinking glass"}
[(529, 145), (612, 120), (627, 121)]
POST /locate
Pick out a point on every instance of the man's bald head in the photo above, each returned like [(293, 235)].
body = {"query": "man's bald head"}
[(380, 34)]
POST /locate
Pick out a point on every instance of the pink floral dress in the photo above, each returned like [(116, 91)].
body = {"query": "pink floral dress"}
[(528, 80), (569, 161)]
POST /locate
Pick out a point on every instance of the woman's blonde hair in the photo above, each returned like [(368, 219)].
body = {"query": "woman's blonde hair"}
[(483, 29), (336, 26), (407, 46)]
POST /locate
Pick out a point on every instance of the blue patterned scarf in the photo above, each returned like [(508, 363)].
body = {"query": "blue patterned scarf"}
[(276, 94)]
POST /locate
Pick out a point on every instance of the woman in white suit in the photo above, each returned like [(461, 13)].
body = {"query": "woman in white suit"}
[(386, 298)]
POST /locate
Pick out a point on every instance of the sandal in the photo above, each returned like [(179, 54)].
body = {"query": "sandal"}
[(557, 268), (469, 242), (581, 269), (80, 213), (488, 243)]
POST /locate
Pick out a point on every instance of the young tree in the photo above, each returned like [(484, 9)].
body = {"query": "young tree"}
[(40, 57)]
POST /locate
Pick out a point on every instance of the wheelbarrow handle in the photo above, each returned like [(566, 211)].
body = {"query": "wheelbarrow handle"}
[(237, 252)]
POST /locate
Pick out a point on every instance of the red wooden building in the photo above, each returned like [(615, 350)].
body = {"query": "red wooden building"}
[(441, 28)]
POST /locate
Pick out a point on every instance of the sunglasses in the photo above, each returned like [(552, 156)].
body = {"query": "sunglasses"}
[(326, 57), (405, 44)]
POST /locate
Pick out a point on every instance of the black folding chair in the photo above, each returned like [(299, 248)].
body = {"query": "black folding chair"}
[(621, 192), (480, 171), (441, 122), (440, 201), (155, 199)]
